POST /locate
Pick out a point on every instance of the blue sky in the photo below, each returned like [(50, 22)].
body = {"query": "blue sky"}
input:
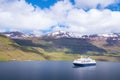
[(77, 16), (42, 3)]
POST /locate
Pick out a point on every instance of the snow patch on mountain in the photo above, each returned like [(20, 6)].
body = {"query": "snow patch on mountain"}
[(62, 34)]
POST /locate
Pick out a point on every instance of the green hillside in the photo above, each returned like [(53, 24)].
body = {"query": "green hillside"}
[(10, 50), (53, 49)]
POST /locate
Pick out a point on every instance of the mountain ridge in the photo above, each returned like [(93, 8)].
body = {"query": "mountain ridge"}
[(67, 42), (64, 34), (41, 48)]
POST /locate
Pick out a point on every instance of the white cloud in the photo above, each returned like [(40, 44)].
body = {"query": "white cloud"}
[(58, 28), (93, 21), (60, 11), (37, 33), (19, 15)]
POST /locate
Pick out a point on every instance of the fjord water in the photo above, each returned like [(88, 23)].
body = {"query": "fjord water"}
[(58, 70)]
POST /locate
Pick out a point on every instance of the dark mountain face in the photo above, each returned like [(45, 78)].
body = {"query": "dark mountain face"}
[(76, 45), (113, 41)]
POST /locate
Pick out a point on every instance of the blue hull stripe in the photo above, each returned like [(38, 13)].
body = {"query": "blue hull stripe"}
[(84, 64)]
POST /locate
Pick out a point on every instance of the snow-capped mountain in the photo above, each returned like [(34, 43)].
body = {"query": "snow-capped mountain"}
[(62, 34), (14, 34), (17, 34), (65, 34)]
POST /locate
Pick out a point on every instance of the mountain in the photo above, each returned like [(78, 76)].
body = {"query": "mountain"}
[(10, 50), (62, 34), (14, 34), (109, 47), (62, 48), (62, 41), (65, 34), (18, 35)]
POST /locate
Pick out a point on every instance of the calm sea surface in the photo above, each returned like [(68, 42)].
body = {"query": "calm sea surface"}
[(58, 70)]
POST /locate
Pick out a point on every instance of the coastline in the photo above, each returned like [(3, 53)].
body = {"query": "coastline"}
[(97, 58)]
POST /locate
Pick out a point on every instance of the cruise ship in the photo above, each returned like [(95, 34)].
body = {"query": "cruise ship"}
[(84, 61)]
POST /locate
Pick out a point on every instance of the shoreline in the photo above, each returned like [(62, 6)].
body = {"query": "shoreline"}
[(97, 58)]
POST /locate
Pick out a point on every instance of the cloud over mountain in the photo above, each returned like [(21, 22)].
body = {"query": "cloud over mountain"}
[(19, 15)]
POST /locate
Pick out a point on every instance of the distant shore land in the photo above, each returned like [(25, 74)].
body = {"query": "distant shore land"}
[(61, 57)]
